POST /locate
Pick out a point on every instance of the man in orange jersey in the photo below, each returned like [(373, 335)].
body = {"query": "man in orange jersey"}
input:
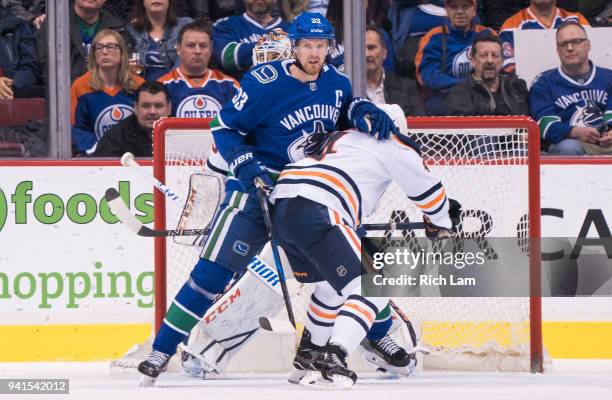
[(541, 14)]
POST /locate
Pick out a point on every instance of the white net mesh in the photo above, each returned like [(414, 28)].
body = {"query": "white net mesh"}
[(487, 171)]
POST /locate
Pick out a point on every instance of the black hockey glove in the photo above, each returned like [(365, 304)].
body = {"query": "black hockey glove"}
[(435, 232), (246, 168), (368, 118)]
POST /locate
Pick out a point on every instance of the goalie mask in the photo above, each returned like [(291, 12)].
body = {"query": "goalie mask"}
[(271, 47)]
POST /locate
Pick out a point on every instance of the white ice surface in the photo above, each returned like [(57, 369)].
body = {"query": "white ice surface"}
[(565, 379)]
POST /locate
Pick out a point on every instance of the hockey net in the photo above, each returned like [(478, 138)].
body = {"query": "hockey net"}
[(490, 164)]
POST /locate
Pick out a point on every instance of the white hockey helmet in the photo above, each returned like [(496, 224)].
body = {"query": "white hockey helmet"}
[(395, 112), (272, 46)]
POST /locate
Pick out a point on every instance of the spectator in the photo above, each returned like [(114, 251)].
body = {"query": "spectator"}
[(384, 87), (122, 9), (234, 37), (154, 35), (196, 91), (87, 18), (410, 20), (443, 56), (588, 8), (19, 69), (496, 12), (541, 14), (572, 101), (33, 11), (104, 95), (292, 8), (486, 92), (135, 133)]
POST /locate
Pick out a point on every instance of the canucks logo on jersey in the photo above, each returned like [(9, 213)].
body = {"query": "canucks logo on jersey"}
[(310, 143), (587, 114), (110, 116)]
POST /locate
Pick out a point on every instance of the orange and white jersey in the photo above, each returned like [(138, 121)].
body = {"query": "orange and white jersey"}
[(353, 172)]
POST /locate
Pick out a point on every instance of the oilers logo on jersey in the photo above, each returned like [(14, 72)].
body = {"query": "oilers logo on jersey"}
[(110, 116), (198, 106), (462, 63)]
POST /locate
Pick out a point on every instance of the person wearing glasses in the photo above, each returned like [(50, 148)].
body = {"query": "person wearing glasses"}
[(86, 19), (104, 95), (541, 14), (573, 103)]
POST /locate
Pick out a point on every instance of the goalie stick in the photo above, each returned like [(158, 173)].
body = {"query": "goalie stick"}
[(128, 160), (120, 209)]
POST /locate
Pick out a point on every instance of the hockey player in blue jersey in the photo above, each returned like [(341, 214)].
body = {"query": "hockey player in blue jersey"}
[(279, 115)]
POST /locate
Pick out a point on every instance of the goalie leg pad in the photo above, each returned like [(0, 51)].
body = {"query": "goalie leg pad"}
[(195, 297), (234, 317)]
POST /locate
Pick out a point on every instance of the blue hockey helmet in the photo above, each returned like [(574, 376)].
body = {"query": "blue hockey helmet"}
[(311, 26)]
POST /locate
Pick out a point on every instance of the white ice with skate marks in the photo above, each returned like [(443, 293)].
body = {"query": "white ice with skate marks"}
[(565, 379)]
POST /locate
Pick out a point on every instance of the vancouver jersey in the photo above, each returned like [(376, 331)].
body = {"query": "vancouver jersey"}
[(559, 103), (525, 19), (282, 118), (94, 112), (203, 99), (235, 37), (355, 170)]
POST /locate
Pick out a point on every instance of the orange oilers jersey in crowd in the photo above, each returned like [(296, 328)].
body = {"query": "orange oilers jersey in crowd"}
[(94, 112), (525, 19), (199, 98), (354, 172)]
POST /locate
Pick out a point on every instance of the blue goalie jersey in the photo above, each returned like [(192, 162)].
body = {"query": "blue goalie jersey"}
[(282, 118)]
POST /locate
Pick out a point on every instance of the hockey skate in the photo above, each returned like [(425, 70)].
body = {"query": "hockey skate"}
[(305, 355), (330, 371), (388, 356), (156, 363)]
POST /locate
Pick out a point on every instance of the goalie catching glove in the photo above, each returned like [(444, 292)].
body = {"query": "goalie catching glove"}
[(246, 169), (368, 118), (435, 232)]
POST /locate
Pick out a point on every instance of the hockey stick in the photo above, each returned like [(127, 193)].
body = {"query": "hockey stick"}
[(265, 210), (127, 160), (394, 226), (120, 209)]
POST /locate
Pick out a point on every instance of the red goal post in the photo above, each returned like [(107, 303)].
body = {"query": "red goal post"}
[(526, 126)]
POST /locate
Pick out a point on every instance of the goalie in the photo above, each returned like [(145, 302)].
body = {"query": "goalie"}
[(319, 203)]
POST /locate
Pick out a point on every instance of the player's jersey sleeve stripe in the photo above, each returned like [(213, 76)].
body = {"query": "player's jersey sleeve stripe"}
[(546, 122), (437, 210), (439, 198), (428, 193)]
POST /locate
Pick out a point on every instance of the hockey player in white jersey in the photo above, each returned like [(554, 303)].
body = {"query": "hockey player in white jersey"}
[(319, 203)]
